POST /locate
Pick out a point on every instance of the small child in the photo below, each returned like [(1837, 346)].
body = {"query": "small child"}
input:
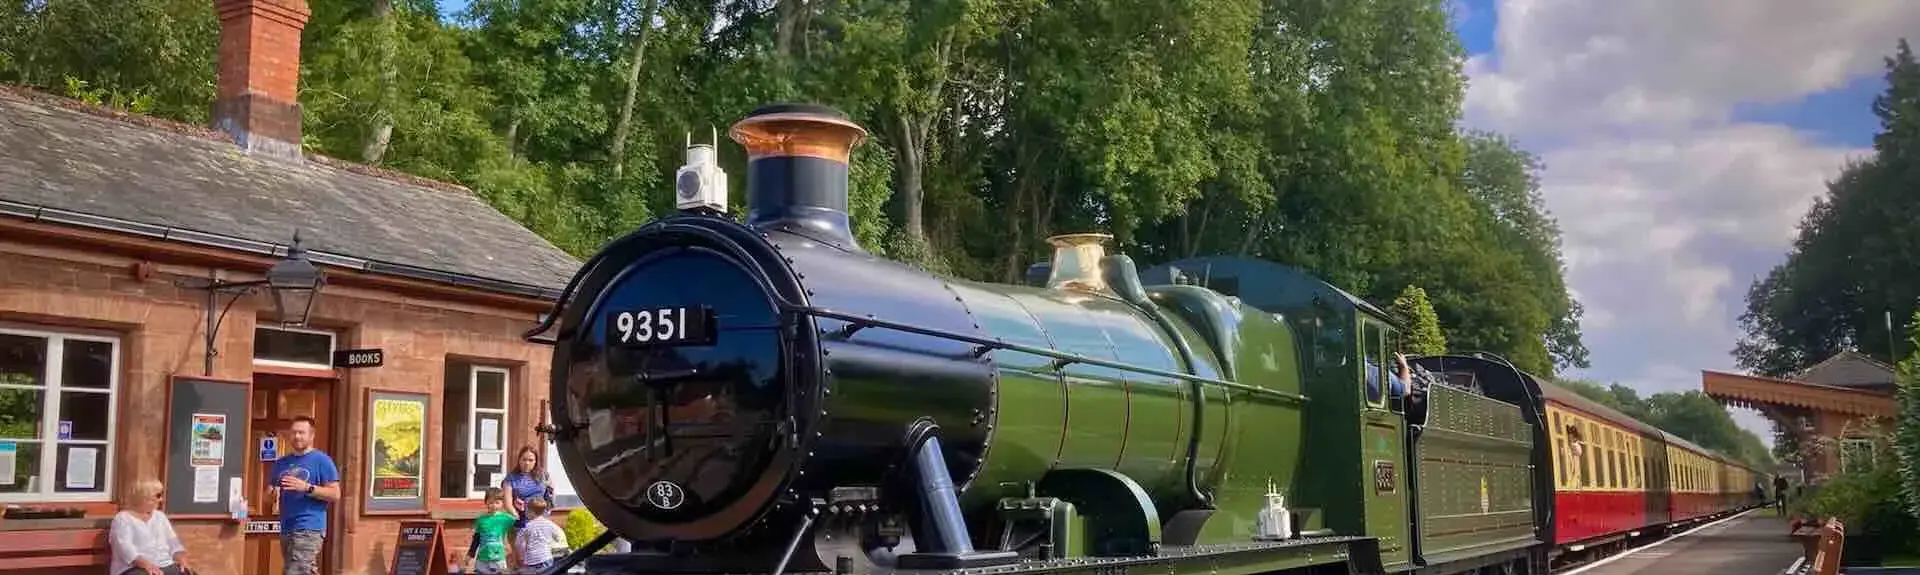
[(489, 552), (540, 539)]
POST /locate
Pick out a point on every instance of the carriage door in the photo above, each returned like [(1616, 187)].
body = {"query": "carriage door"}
[(1382, 434)]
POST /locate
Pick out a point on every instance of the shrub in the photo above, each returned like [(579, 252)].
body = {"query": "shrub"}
[(581, 527), (1868, 503)]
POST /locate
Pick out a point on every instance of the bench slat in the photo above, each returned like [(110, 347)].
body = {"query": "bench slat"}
[(50, 561), (53, 540)]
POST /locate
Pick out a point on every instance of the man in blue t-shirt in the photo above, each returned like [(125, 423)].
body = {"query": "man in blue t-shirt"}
[(307, 482)]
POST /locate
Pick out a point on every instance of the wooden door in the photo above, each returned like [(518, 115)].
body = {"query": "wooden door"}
[(276, 401)]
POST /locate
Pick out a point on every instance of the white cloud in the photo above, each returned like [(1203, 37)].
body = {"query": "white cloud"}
[(1669, 207), (1568, 66)]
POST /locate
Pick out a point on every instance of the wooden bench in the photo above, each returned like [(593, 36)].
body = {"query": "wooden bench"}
[(54, 550)]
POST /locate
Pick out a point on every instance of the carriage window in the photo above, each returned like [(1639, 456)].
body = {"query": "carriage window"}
[(1559, 450), (1612, 454), (1374, 363)]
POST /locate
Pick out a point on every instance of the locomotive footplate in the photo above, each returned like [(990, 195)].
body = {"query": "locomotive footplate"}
[(1251, 557)]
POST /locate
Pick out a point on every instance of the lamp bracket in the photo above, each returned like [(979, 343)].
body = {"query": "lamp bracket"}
[(214, 286)]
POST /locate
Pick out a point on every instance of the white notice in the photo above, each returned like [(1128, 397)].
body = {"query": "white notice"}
[(80, 462), (496, 478), (237, 496), (206, 484), (8, 450), (489, 434)]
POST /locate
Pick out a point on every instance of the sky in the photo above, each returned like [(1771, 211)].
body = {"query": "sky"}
[(1682, 141)]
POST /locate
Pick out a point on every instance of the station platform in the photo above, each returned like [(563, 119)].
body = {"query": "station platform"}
[(1752, 543)]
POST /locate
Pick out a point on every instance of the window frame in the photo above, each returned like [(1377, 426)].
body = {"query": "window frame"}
[(1373, 345), (333, 345), (474, 369), (53, 385)]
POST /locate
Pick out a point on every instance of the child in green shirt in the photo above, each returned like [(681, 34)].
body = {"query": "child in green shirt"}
[(490, 535)]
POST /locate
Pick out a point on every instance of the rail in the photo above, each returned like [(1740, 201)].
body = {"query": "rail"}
[(984, 345)]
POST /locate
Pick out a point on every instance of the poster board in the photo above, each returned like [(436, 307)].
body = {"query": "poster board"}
[(206, 445), (396, 432), (419, 549)]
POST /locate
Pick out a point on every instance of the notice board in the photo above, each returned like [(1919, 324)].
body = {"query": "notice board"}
[(206, 445)]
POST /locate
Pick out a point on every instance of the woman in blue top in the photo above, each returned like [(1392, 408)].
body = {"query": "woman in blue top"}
[(527, 480)]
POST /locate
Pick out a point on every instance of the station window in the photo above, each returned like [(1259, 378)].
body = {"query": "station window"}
[(474, 436), (56, 415)]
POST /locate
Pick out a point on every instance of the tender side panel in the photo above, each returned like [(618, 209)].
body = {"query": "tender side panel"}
[(1475, 479), (1031, 410)]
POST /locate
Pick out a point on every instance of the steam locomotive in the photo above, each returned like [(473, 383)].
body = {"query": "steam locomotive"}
[(769, 397)]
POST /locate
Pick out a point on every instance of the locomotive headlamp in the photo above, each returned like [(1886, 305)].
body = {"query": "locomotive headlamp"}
[(701, 184)]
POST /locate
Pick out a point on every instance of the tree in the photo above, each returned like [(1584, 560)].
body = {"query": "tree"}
[(1849, 268), (1906, 438), (1505, 179), (1423, 332)]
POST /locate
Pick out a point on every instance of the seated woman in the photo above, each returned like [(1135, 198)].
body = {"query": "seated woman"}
[(141, 538)]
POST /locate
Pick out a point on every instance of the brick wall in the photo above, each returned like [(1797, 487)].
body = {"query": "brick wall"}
[(161, 328)]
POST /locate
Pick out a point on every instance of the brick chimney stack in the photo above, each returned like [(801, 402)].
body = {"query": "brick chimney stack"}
[(258, 102)]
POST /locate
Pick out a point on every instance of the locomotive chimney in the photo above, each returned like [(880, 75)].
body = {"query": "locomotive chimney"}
[(797, 160), (1076, 262)]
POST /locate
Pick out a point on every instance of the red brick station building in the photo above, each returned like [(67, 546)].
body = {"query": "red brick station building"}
[(158, 319)]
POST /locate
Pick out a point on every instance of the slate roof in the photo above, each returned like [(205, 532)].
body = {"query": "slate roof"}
[(1848, 369), (67, 162)]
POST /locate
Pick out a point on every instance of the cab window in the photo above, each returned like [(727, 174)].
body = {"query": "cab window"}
[(1373, 364)]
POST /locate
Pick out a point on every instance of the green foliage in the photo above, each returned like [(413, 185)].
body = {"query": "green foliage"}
[(1849, 270), (1867, 502), (1906, 437), (581, 527), (1423, 326), (139, 102), (162, 50)]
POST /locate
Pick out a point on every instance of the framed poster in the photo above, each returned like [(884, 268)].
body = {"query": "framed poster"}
[(396, 451)]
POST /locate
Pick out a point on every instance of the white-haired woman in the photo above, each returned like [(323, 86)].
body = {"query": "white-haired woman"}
[(142, 540)]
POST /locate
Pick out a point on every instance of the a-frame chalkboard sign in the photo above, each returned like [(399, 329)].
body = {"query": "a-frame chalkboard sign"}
[(420, 549)]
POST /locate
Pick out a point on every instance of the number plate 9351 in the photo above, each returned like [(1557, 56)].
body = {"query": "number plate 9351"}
[(660, 326)]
